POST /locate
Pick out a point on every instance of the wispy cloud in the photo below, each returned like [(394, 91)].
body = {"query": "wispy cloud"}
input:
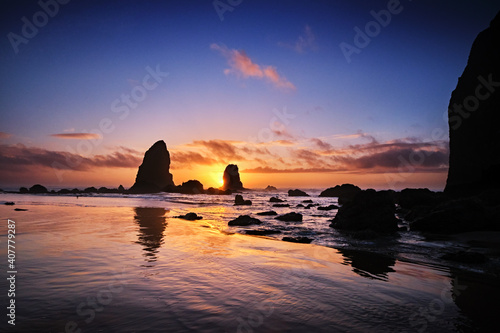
[(76, 136), (22, 158), (321, 144), (241, 65), (290, 170), (189, 159), (305, 41), (221, 149), (4, 135)]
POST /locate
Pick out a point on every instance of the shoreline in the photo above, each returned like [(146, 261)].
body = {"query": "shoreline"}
[(205, 276)]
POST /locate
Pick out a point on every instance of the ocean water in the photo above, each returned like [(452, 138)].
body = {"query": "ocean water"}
[(124, 263)]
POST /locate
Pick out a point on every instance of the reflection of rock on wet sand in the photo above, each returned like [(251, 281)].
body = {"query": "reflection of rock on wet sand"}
[(368, 264), (478, 298), (152, 225)]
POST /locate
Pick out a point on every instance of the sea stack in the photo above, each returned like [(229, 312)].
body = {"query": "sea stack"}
[(473, 117), (153, 174), (231, 178)]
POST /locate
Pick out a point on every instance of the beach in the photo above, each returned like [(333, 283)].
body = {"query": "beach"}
[(105, 264)]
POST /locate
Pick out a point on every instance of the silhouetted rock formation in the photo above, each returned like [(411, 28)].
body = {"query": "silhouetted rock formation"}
[(344, 192), (270, 188), (473, 117), (38, 189), (231, 178), (189, 187), (239, 201), (329, 207), (461, 215), (23, 190), (244, 220), (153, 174), (190, 217), (304, 240), (216, 191), (340, 190), (268, 213), (297, 193), (368, 210), (290, 217), (412, 197), (275, 199)]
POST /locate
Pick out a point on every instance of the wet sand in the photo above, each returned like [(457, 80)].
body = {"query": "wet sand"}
[(130, 269)]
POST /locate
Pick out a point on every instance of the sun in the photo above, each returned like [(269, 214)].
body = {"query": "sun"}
[(221, 182)]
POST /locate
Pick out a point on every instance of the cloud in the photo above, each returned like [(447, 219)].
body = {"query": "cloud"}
[(291, 170), (304, 42), (395, 158), (221, 149), (22, 158), (316, 155), (77, 136), (4, 135), (187, 159), (241, 65), (283, 142), (321, 144), (283, 133)]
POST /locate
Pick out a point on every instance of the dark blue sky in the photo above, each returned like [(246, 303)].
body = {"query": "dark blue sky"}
[(225, 77)]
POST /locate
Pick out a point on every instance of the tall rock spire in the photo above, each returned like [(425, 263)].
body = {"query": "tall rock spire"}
[(153, 174), (474, 118)]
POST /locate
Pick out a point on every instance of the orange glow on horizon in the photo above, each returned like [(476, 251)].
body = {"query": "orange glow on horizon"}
[(211, 176)]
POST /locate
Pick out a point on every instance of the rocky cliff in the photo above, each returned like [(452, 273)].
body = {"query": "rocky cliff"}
[(474, 118)]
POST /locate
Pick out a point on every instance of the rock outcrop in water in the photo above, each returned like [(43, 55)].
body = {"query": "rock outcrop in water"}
[(153, 174), (339, 190), (369, 210), (231, 178), (243, 220), (239, 201), (189, 187), (37, 188), (474, 118), (297, 193)]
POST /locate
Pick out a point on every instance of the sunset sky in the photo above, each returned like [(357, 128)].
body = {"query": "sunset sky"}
[(283, 89)]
